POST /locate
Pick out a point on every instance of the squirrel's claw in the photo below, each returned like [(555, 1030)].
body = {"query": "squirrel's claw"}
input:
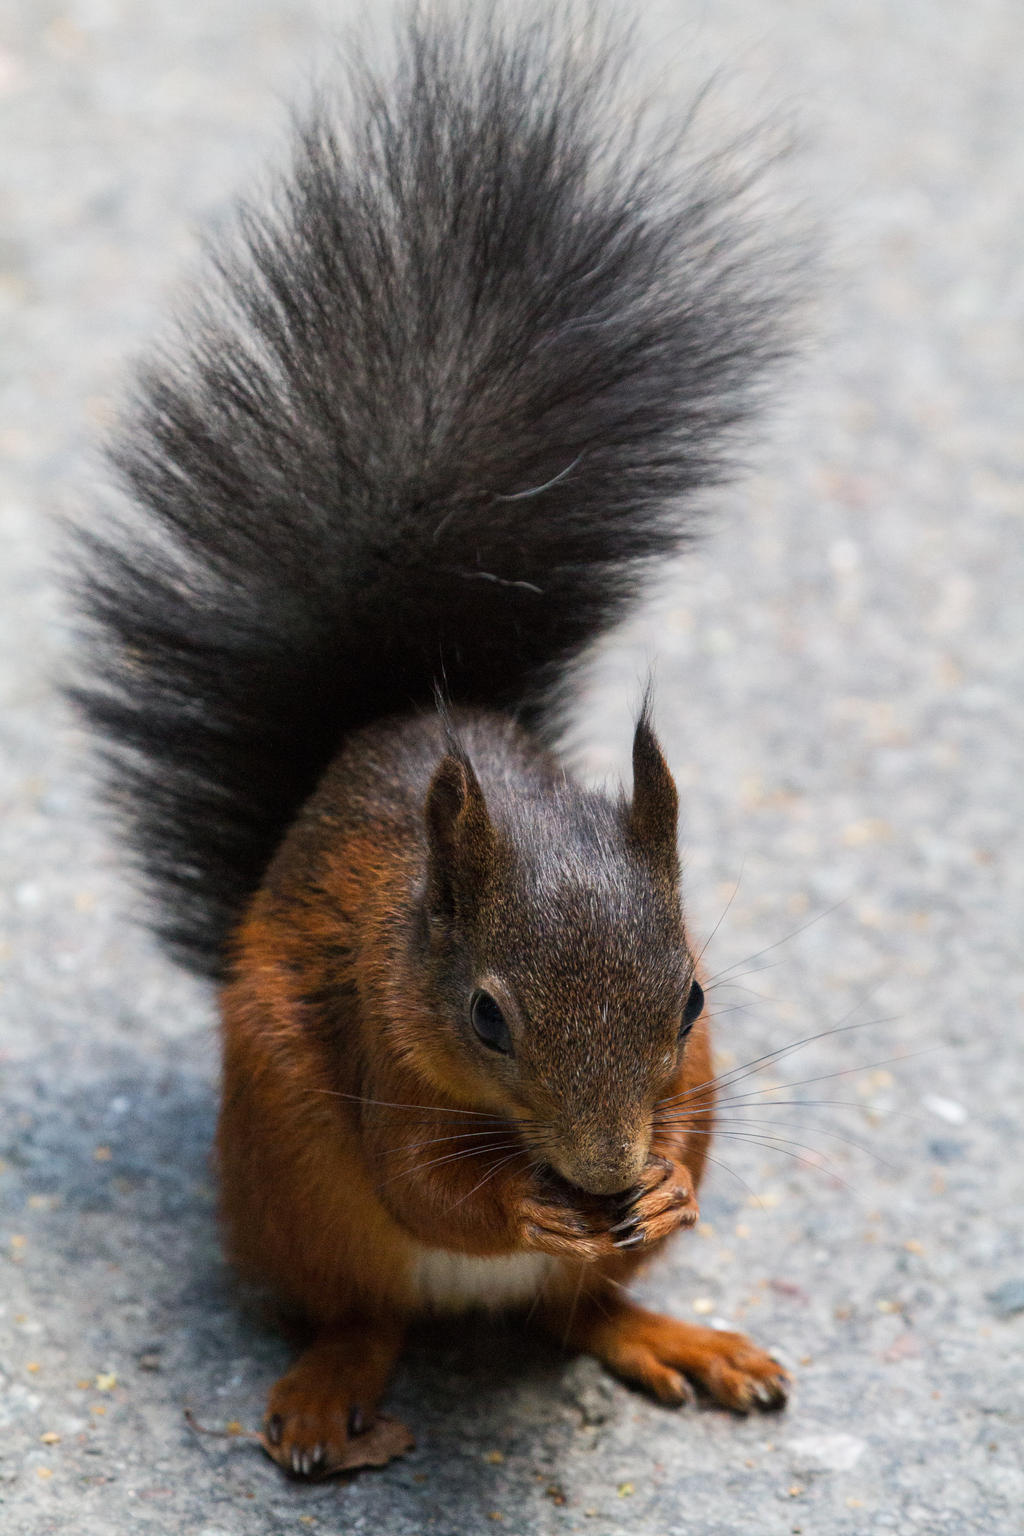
[(377, 1443), (663, 1201), (626, 1225)]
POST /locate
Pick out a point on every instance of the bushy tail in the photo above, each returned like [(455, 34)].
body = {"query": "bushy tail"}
[(453, 390)]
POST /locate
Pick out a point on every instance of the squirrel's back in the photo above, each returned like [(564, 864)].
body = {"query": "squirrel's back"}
[(441, 400)]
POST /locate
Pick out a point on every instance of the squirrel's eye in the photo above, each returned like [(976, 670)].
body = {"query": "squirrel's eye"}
[(489, 1022), (693, 1010)]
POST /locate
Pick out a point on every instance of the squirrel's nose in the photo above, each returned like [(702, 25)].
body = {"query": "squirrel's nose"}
[(608, 1168)]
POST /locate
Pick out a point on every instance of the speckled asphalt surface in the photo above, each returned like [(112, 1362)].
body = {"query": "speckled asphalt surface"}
[(839, 687)]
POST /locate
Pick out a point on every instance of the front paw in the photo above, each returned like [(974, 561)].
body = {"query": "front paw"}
[(549, 1224), (663, 1201)]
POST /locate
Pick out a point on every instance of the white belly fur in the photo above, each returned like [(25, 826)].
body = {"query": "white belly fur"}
[(455, 1282)]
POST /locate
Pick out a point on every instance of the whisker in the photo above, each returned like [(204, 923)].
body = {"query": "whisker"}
[(736, 1120), (741, 1099), (719, 1164), (500, 1125), (824, 1077), (771, 1146), (817, 918), (607, 1280), (520, 1152), (535, 1167), (725, 910), (723, 1079), (773, 1142), (595, 1297), (448, 1157), (721, 1013), (725, 980), (781, 1052), (417, 1146), (782, 1103), (440, 1109), (861, 1104), (536, 1129), (572, 1309), (761, 997)]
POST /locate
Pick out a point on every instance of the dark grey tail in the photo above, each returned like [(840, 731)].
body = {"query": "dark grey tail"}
[(454, 389)]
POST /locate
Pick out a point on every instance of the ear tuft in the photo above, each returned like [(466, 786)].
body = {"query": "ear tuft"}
[(446, 799), (459, 829), (654, 812)]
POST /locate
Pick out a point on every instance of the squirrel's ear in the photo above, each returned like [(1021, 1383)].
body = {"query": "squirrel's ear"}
[(653, 814), (460, 831)]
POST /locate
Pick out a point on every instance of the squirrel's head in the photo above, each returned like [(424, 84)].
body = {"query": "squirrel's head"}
[(559, 970)]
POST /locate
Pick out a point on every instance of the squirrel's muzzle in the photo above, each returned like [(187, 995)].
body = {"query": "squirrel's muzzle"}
[(602, 1163)]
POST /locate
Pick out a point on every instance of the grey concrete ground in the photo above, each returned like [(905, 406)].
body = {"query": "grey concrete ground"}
[(839, 685)]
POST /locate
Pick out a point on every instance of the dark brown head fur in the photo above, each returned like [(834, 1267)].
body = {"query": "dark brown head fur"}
[(562, 905)]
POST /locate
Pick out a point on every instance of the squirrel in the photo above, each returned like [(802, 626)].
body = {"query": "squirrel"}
[(442, 403)]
